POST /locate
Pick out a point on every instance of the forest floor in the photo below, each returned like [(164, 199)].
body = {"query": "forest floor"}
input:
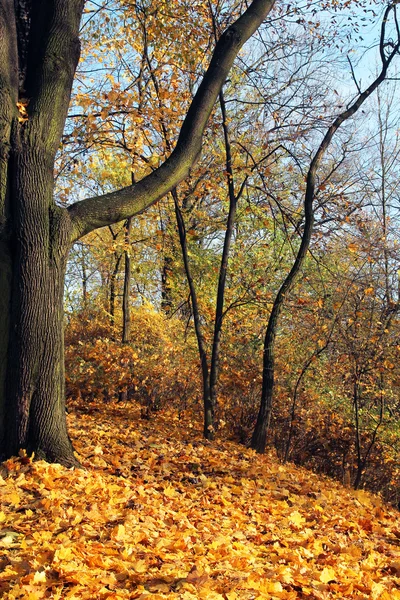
[(160, 513)]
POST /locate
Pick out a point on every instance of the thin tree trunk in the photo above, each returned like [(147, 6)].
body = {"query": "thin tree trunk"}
[(126, 304), (360, 462), (166, 296), (363, 460), (208, 406), (259, 438), (113, 286), (383, 176), (126, 298), (233, 200), (84, 280)]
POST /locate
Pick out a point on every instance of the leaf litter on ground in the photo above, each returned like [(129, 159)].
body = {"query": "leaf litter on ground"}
[(157, 513)]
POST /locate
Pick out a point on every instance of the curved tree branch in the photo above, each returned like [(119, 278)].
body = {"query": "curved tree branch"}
[(100, 211)]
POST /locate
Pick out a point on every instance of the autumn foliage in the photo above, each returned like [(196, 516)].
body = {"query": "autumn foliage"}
[(159, 370), (155, 368), (157, 512)]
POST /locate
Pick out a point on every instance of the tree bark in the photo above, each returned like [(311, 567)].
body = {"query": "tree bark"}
[(166, 288), (126, 298), (223, 270), (208, 422), (8, 110), (113, 285), (35, 378), (39, 51), (126, 306)]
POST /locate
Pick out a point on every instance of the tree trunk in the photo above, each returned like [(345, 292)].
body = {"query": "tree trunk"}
[(39, 51), (208, 429), (113, 285), (126, 298), (85, 279), (5, 287), (166, 289), (8, 100), (35, 395), (223, 270)]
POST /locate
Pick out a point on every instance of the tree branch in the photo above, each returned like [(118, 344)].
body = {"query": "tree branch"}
[(100, 211)]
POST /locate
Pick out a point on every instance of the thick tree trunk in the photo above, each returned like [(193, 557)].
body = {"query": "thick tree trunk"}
[(5, 287), (39, 51), (8, 100), (35, 416), (35, 395)]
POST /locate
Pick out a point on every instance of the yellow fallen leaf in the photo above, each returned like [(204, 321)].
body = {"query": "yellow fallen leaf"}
[(327, 575), (39, 577), (140, 566), (378, 592), (63, 554), (170, 492), (297, 518), (14, 498), (271, 587), (6, 541), (119, 533)]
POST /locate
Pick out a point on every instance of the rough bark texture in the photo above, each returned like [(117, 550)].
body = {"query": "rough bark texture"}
[(35, 381), (35, 233), (8, 100)]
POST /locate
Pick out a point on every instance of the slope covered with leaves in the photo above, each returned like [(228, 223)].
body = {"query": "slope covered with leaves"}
[(158, 513)]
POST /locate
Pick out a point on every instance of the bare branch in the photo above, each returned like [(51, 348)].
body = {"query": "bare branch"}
[(353, 75)]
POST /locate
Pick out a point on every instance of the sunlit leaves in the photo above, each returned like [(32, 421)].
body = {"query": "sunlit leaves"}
[(142, 524)]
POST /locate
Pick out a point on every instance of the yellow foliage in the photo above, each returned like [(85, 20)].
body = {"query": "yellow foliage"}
[(144, 525)]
